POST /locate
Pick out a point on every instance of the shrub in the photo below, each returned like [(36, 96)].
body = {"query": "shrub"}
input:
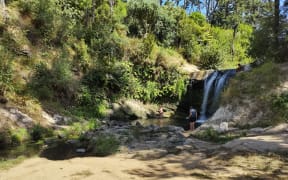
[(26, 6), (5, 72), (39, 132), (210, 58), (18, 136), (211, 134), (105, 145), (93, 124), (5, 138), (55, 82), (41, 81), (82, 60), (73, 131), (280, 107)]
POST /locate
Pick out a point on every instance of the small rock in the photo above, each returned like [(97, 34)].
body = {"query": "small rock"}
[(138, 124), (257, 130), (80, 150)]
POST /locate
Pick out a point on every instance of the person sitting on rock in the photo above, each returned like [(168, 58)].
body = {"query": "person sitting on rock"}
[(239, 68)]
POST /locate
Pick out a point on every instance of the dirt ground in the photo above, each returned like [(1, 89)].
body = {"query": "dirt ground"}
[(186, 165)]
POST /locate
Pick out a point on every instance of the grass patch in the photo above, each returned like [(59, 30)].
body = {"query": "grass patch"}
[(212, 135), (14, 155), (256, 84), (9, 163), (258, 87)]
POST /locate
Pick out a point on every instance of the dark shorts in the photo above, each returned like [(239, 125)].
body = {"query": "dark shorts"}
[(192, 119)]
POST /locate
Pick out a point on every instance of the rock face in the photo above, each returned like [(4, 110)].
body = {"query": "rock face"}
[(14, 116), (264, 143), (241, 115)]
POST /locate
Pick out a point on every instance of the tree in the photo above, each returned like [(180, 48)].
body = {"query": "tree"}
[(276, 21)]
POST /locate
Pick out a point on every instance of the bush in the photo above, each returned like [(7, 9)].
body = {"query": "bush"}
[(82, 61), (5, 138), (210, 58), (5, 72), (280, 107), (26, 6), (93, 124), (211, 134), (76, 130), (39, 132), (55, 83), (41, 82), (18, 136), (105, 145)]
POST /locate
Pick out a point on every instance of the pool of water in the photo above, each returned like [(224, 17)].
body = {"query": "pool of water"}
[(182, 122)]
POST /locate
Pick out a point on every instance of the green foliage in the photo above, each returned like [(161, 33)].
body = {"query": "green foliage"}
[(39, 132), (82, 61), (75, 130), (18, 136), (210, 134), (12, 137), (26, 6), (41, 81), (280, 105), (210, 58), (5, 165), (5, 71), (93, 124), (5, 138), (105, 145), (54, 83), (255, 84), (142, 17), (44, 14)]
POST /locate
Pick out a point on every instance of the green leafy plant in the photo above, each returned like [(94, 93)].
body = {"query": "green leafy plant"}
[(105, 145), (38, 132), (210, 58), (5, 72), (18, 136)]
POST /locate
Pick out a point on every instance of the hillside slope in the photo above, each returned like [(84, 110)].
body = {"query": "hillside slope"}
[(255, 98)]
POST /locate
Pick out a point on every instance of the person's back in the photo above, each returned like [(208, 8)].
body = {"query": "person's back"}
[(192, 118), (193, 113)]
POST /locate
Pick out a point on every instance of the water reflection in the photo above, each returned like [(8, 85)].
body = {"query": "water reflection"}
[(14, 152)]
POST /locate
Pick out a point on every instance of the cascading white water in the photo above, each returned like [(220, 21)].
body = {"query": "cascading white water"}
[(3, 8), (219, 85), (215, 82), (207, 87)]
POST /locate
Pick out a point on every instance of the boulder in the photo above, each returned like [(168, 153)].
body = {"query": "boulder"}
[(242, 115), (129, 110), (16, 117)]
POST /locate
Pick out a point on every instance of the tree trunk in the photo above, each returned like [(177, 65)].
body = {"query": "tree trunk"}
[(276, 21)]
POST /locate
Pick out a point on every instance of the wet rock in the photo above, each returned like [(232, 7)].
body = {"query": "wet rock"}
[(61, 120), (257, 130), (3, 100)]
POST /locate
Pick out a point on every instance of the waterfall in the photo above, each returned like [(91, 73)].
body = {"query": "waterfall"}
[(207, 87), (219, 85), (3, 8), (213, 83)]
